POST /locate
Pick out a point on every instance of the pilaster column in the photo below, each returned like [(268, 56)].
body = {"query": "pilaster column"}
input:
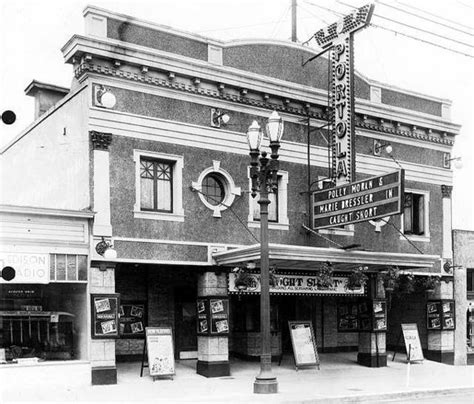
[(461, 306), (441, 342), (372, 345), (213, 350), (101, 183), (446, 191), (102, 351)]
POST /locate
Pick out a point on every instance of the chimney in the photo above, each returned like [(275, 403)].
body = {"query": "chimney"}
[(46, 95)]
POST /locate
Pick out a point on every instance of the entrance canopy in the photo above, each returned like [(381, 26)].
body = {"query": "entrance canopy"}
[(292, 257)]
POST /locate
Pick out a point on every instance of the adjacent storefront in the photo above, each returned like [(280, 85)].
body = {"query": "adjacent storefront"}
[(44, 308)]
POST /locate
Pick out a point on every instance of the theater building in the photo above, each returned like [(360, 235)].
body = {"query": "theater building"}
[(141, 142)]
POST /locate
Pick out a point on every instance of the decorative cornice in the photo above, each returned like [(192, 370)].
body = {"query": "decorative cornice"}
[(362, 120), (100, 141), (446, 191)]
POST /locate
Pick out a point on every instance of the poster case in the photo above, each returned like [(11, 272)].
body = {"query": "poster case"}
[(362, 315), (440, 315), (212, 316), (304, 344), (160, 352), (133, 317), (105, 315), (379, 315)]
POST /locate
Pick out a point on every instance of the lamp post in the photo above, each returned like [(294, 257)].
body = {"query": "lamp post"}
[(264, 175)]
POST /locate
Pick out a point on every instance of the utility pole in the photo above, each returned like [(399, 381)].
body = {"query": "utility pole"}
[(293, 21)]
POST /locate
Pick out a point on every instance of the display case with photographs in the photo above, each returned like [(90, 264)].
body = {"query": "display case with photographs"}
[(105, 315), (212, 315), (440, 315), (379, 315), (348, 317), (132, 319)]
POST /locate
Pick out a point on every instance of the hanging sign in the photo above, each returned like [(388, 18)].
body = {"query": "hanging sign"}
[(339, 37), (159, 344), (293, 284), (304, 344), (359, 201), (412, 342)]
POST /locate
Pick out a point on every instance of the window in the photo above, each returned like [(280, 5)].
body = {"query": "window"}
[(216, 188), (272, 206), (213, 189), (413, 214), (158, 186), (415, 217), (470, 283), (277, 208)]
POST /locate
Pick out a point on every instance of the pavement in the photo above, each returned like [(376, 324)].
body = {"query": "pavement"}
[(339, 380)]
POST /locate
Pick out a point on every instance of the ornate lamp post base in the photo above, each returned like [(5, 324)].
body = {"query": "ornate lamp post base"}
[(265, 382)]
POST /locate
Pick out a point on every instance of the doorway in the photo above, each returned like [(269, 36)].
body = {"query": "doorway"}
[(185, 323)]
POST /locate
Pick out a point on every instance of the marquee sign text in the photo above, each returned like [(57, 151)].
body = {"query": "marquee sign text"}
[(359, 201)]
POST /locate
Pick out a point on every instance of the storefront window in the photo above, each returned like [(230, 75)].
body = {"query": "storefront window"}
[(43, 322)]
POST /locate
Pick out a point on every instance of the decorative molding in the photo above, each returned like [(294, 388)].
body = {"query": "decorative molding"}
[(317, 111), (100, 140), (446, 191)]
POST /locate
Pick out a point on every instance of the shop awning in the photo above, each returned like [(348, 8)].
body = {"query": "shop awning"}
[(292, 257)]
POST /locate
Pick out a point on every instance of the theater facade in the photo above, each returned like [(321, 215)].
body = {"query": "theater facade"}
[(150, 141)]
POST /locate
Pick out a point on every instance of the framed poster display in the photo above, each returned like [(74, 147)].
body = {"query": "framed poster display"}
[(440, 315), (379, 315), (219, 309), (132, 319), (203, 316), (304, 344), (412, 342), (212, 316), (160, 352), (348, 317), (105, 315)]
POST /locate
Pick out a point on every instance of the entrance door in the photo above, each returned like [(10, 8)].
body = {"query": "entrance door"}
[(185, 323)]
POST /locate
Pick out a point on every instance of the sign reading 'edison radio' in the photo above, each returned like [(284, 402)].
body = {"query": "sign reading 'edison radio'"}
[(359, 201), (339, 37)]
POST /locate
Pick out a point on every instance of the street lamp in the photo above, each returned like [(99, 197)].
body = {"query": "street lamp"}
[(264, 175)]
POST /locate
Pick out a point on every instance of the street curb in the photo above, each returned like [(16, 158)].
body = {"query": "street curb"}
[(373, 398)]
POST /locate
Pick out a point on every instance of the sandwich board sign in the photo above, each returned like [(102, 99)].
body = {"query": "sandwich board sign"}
[(412, 342), (304, 344), (159, 349)]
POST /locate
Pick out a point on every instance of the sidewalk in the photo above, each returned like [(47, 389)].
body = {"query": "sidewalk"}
[(340, 379)]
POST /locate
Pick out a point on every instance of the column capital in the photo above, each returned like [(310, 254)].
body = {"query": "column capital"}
[(100, 140), (446, 191)]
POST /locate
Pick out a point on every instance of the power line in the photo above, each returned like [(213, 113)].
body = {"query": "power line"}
[(277, 25), (413, 27), (397, 32), (422, 30), (421, 40), (434, 15), (423, 18)]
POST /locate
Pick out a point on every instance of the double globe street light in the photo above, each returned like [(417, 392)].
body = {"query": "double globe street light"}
[(264, 175)]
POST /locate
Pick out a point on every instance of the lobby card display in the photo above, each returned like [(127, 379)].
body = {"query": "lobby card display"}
[(159, 345), (412, 342), (132, 319), (203, 320), (433, 315), (105, 315), (440, 315), (304, 343), (219, 310), (379, 315), (348, 317)]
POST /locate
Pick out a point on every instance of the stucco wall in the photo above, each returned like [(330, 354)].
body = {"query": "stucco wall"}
[(49, 166)]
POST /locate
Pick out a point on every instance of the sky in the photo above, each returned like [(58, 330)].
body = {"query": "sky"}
[(32, 33)]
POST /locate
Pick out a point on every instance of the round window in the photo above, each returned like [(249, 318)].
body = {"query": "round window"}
[(213, 189)]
